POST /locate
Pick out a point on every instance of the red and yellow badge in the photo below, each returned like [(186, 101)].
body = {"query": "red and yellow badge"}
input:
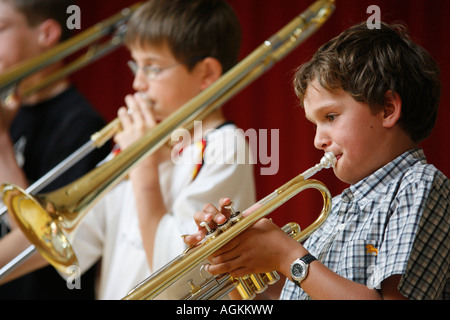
[(201, 145)]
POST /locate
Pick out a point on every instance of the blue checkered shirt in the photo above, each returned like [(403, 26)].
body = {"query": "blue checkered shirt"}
[(395, 221)]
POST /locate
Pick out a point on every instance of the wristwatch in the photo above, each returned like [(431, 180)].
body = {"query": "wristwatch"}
[(299, 268)]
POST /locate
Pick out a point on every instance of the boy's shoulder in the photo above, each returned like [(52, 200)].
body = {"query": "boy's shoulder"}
[(426, 173), (405, 176), (422, 185), (412, 166)]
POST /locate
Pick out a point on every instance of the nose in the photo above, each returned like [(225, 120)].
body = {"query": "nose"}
[(322, 139), (140, 82)]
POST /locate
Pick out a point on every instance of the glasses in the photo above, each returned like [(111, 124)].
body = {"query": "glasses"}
[(152, 72)]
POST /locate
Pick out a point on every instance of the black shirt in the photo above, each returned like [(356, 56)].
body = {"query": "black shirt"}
[(44, 135)]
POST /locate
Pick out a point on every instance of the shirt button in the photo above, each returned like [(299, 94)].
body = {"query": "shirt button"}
[(341, 227)]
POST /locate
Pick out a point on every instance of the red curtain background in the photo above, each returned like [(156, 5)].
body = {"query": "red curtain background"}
[(270, 103)]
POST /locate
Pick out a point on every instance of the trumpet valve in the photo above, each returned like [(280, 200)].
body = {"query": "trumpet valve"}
[(271, 277), (257, 283), (194, 288), (224, 226), (291, 229), (235, 215), (244, 290), (211, 233)]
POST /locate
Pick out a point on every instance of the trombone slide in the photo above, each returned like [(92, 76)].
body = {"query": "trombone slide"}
[(46, 219)]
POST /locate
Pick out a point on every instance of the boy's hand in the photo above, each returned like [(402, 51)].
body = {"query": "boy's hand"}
[(8, 111), (211, 215), (263, 247), (136, 120)]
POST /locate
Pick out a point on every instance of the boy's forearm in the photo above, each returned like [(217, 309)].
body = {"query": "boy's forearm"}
[(11, 246), (149, 205), (323, 284)]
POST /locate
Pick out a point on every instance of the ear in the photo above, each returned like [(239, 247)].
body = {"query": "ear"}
[(392, 109), (49, 33), (211, 71)]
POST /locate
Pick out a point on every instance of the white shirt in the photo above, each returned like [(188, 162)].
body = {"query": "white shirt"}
[(110, 231)]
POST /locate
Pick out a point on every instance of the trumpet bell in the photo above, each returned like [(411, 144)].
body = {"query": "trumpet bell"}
[(40, 227)]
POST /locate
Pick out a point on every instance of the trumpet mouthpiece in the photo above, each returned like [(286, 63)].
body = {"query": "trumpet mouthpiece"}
[(328, 160)]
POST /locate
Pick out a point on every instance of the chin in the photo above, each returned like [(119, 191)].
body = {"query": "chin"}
[(345, 177)]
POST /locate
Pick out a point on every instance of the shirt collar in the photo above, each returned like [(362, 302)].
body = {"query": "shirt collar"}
[(363, 191)]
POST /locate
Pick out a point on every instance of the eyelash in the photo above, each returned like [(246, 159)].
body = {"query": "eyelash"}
[(330, 117)]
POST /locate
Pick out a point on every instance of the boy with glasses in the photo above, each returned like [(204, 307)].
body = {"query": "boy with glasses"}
[(179, 48)]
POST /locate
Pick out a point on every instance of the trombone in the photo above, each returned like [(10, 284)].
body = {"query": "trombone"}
[(49, 219), (114, 26), (114, 29)]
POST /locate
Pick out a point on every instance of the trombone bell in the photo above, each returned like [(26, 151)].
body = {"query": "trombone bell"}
[(47, 219), (40, 227)]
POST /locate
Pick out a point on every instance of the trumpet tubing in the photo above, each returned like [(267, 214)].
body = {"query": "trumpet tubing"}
[(185, 277)]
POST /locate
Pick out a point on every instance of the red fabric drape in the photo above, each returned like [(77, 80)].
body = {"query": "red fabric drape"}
[(269, 103)]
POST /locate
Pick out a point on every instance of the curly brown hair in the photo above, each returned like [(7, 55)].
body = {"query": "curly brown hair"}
[(366, 63)]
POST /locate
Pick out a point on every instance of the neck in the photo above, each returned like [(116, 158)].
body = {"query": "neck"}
[(395, 145), (212, 121), (46, 92)]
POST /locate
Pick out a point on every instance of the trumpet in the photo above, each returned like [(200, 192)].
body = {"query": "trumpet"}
[(49, 220), (186, 277)]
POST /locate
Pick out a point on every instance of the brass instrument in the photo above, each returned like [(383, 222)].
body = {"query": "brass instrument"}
[(100, 40), (49, 219), (113, 29), (186, 278)]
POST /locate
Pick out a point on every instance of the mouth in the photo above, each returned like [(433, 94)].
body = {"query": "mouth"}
[(146, 98)]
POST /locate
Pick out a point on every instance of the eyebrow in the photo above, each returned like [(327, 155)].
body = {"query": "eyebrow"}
[(148, 58)]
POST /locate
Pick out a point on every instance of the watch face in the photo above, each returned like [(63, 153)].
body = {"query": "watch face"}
[(297, 270)]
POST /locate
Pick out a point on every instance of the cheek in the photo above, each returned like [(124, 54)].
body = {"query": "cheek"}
[(359, 132), (10, 53), (183, 90), (172, 96), (358, 144), (15, 49)]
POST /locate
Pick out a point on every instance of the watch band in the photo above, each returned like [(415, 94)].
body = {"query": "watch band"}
[(308, 258)]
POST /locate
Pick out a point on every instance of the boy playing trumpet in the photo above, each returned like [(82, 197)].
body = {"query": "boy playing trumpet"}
[(373, 96)]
